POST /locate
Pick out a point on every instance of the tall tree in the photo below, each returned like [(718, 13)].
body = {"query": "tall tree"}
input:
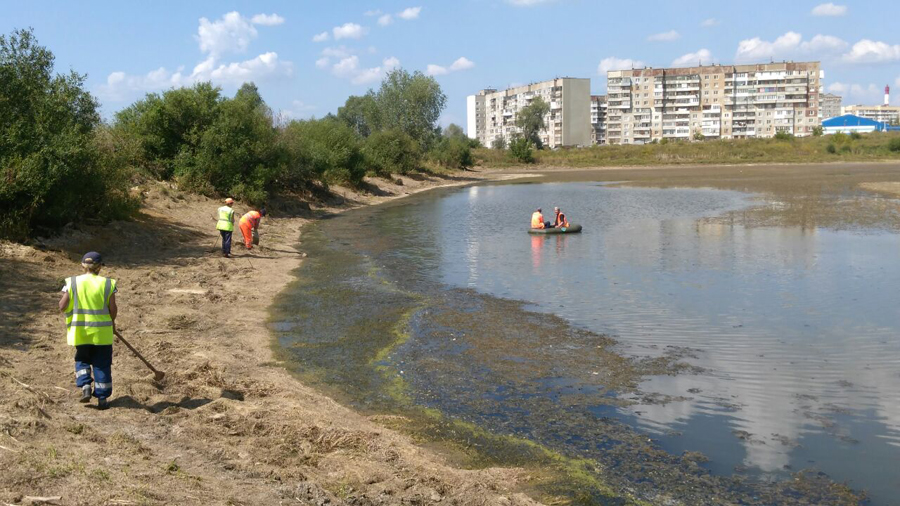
[(361, 114), (412, 103), (531, 120)]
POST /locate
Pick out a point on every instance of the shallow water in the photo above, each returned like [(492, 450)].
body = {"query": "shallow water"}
[(793, 327)]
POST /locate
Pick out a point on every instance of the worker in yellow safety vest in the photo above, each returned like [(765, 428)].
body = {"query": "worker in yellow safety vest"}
[(89, 302), (225, 225)]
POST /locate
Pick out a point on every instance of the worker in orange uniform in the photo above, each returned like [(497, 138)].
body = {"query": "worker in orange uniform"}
[(249, 225), (561, 220), (537, 219)]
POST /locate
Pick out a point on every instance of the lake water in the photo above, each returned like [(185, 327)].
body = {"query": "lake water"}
[(794, 331)]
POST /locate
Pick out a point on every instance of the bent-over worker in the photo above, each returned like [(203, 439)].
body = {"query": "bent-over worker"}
[(225, 225), (89, 302), (249, 226), (537, 219)]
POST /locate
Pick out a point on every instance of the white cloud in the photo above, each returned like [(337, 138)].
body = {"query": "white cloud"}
[(462, 63), (692, 59), (709, 22), (527, 3), (664, 36), (853, 94), (323, 62), (435, 70), (348, 31), (789, 45), (373, 12), (410, 13), (231, 33), (870, 51), (385, 20), (613, 63), (266, 66), (267, 19), (348, 68), (337, 52), (829, 9), (321, 37)]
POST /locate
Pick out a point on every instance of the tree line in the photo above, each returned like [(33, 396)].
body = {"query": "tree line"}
[(60, 163)]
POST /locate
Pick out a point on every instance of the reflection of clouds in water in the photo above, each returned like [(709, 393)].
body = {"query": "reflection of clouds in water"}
[(794, 324)]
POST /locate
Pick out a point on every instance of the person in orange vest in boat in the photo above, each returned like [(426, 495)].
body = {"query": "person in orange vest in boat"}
[(249, 226), (537, 219), (561, 220)]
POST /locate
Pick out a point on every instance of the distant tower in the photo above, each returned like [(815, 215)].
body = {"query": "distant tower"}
[(887, 95)]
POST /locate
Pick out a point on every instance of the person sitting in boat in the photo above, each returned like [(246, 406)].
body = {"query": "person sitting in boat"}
[(537, 220), (561, 220)]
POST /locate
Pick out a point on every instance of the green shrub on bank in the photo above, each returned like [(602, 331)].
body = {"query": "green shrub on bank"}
[(391, 151), (324, 149), (894, 145), (54, 168), (521, 150), (453, 153)]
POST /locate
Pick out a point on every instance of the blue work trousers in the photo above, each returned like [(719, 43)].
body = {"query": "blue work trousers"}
[(99, 358), (226, 242)]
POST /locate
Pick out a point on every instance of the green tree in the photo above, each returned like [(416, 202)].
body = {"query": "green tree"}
[(361, 114), (391, 151), (521, 149), (325, 149), (817, 131), (454, 131), (498, 143), (51, 171), (531, 120), (412, 103)]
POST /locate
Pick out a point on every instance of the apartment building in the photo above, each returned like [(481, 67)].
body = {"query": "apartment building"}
[(491, 114), (829, 105), (598, 119), (881, 113), (715, 101)]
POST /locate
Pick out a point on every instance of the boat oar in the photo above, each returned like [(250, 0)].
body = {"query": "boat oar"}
[(157, 375)]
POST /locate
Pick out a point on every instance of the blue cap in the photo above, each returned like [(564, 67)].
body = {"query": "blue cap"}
[(92, 257)]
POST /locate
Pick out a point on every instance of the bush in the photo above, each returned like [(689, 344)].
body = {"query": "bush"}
[(521, 149), (453, 152), (894, 144), (391, 151), (855, 136), (783, 136), (498, 143), (817, 131), (698, 136), (54, 169), (324, 149), (831, 149)]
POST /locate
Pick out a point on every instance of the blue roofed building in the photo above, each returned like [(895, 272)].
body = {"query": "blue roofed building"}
[(850, 123)]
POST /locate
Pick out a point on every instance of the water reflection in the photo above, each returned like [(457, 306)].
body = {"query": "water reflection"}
[(795, 326)]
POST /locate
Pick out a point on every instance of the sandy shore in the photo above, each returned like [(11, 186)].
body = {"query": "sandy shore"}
[(227, 425)]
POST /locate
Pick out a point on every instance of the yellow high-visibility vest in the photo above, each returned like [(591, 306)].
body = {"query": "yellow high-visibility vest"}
[(226, 219), (87, 317)]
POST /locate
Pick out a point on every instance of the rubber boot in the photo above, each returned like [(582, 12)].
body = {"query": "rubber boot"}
[(85, 394)]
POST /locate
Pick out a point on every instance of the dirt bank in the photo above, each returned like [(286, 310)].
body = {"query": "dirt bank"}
[(226, 425)]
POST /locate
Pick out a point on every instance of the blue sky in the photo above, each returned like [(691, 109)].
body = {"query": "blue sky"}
[(308, 57)]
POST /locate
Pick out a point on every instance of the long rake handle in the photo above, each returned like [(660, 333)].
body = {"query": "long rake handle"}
[(159, 374)]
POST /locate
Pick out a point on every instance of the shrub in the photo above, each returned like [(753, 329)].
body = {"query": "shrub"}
[(324, 149), (855, 136), (698, 136), (498, 143), (783, 136), (391, 151), (894, 144), (53, 167), (831, 149), (846, 148), (521, 149), (817, 131), (453, 152)]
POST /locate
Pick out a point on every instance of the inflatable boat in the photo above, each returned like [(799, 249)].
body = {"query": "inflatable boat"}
[(573, 228)]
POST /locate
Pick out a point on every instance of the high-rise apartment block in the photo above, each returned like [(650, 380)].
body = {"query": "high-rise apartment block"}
[(491, 114), (716, 101), (598, 119), (829, 105), (881, 113)]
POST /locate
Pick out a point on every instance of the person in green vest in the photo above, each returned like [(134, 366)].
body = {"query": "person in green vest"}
[(89, 303), (225, 225)]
